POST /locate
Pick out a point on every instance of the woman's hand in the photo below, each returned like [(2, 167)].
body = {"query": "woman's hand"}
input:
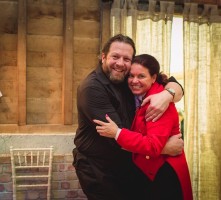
[(107, 129)]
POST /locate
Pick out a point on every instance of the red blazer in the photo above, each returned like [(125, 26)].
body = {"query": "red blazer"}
[(149, 138)]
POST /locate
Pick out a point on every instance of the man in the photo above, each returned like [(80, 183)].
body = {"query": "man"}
[(105, 171)]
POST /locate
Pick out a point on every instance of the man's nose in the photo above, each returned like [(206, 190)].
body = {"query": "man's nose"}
[(120, 61)]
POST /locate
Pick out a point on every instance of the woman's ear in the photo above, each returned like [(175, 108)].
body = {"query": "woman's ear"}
[(154, 77)]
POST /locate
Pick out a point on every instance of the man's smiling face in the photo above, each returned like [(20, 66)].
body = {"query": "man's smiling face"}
[(116, 64)]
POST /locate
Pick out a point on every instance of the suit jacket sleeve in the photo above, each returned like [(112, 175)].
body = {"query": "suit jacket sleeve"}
[(94, 103), (172, 79)]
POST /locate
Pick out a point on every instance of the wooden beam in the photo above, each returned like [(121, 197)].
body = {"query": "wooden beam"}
[(105, 22), (21, 62), (67, 93), (38, 129)]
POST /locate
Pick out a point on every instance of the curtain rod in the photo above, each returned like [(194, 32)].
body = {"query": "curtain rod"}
[(181, 4), (177, 3)]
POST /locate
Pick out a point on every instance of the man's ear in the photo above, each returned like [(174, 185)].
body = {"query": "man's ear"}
[(103, 56)]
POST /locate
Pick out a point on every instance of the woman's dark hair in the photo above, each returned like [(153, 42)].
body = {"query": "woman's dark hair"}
[(152, 65), (119, 38)]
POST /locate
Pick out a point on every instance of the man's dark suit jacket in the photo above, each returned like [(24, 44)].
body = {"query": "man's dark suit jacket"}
[(96, 97)]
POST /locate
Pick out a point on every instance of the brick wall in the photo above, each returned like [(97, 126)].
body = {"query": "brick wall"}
[(65, 184)]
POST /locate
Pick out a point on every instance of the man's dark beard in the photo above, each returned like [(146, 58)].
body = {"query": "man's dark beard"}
[(114, 80), (111, 78)]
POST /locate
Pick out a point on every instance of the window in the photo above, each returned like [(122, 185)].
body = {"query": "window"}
[(176, 64)]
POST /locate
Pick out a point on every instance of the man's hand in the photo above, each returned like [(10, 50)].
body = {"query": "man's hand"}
[(174, 145), (158, 104)]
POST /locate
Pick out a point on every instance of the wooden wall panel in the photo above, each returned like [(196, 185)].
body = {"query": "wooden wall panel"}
[(44, 59), (87, 3), (38, 10), (44, 89), (8, 16), (86, 45), (45, 63), (36, 114), (8, 62), (45, 19), (44, 43), (8, 87), (8, 58), (9, 90), (45, 26), (44, 3), (86, 29), (46, 104), (8, 42), (6, 116), (84, 63), (21, 63), (41, 118), (86, 14), (44, 74), (83, 12), (8, 73), (8, 103)]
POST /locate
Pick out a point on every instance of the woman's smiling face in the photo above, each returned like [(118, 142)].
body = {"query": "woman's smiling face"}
[(139, 79)]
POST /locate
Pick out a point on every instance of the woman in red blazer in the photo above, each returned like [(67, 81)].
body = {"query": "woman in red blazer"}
[(169, 176)]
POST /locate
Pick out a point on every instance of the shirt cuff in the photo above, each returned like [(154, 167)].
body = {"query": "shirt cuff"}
[(118, 133)]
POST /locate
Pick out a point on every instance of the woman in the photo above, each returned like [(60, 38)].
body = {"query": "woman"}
[(169, 176)]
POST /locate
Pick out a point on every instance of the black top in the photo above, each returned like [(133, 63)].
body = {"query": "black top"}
[(96, 97)]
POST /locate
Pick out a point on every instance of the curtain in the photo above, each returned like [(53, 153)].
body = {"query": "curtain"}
[(152, 23), (202, 68), (150, 28)]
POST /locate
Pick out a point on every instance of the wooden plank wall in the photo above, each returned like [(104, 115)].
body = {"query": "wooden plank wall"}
[(45, 45), (8, 62), (44, 61), (86, 42)]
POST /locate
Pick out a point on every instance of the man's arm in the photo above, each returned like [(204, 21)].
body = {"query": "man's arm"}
[(159, 102), (93, 102), (174, 145), (177, 89)]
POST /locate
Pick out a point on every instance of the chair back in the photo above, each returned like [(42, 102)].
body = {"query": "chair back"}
[(31, 168)]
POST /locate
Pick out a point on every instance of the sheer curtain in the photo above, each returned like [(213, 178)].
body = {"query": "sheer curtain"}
[(127, 17), (150, 28), (202, 66)]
